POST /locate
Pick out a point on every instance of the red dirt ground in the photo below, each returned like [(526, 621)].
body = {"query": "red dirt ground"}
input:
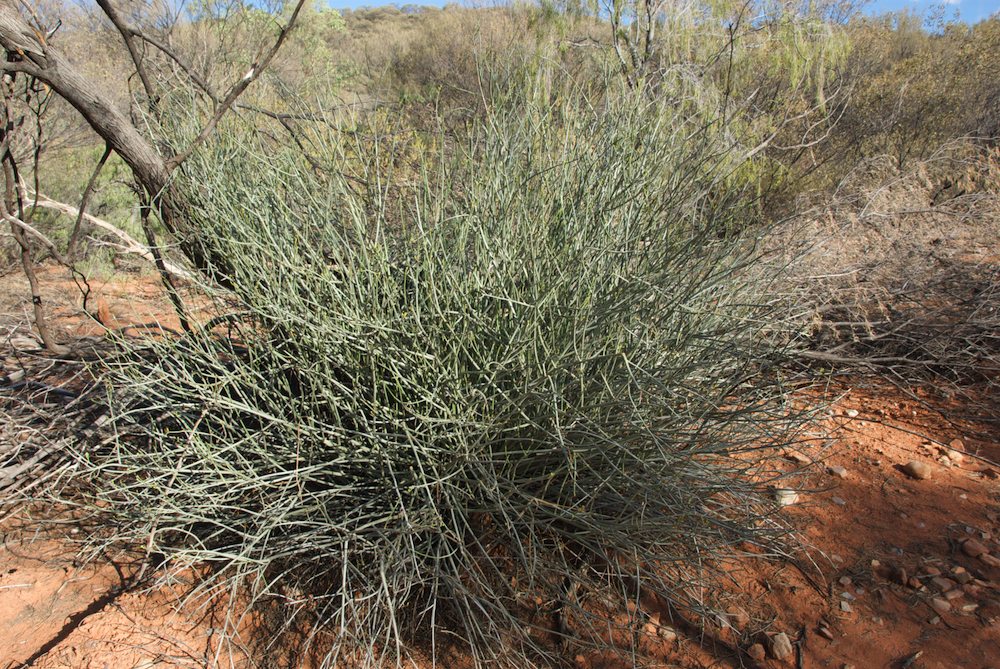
[(864, 530)]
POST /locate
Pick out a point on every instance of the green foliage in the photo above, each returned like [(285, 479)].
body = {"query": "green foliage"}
[(543, 369)]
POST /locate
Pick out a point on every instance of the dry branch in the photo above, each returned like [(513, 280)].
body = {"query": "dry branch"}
[(128, 243)]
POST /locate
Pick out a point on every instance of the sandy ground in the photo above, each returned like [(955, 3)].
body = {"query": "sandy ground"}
[(901, 572)]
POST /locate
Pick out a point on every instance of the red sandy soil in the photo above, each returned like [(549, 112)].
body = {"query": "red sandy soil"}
[(884, 549)]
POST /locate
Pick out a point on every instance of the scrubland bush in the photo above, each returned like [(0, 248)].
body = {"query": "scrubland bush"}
[(899, 279), (463, 61), (915, 91), (541, 389)]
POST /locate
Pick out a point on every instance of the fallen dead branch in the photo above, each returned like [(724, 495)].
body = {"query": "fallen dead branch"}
[(128, 244)]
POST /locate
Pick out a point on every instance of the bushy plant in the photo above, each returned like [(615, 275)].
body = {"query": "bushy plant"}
[(490, 414)]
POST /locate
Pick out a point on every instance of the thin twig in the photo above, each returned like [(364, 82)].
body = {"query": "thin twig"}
[(84, 200)]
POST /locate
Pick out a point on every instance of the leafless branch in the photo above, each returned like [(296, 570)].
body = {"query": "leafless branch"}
[(128, 36), (84, 200), (128, 243), (237, 89), (185, 67)]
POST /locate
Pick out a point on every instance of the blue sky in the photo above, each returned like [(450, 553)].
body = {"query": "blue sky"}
[(970, 11)]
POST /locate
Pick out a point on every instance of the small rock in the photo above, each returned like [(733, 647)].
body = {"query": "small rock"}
[(971, 589), (667, 633), (836, 470), (935, 620), (918, 470), (23, 343), (845, 606), (973, 548), (848, 596), (851, 413), (757, 653), (900, 576), (825, 632), (953, 594), (961, 575), (931, 570), (943, 584), (738, 618), (940, 605), (844, 581), (795, 456), (914, 583), (969, 608), (839, 501), (786, 497), (781, 646), (989, 560), (956, 450)]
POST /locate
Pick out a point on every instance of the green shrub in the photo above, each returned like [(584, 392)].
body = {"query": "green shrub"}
[(536, 387)]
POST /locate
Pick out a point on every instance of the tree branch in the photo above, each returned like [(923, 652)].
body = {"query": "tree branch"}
[(21, 66), (128, 243), (127, 35), (237, 89), (84, 200)]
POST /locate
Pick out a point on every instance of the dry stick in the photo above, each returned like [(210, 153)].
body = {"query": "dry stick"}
[(128, 243), (165, 277), (27, 264), (10, 199), (84, 200), (25, 227)]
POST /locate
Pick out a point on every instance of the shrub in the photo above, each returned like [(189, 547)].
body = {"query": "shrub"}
[(916, 91), (541, 388)]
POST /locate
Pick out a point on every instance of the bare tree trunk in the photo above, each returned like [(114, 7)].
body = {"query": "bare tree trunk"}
[(9, 207), (30, 54)]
